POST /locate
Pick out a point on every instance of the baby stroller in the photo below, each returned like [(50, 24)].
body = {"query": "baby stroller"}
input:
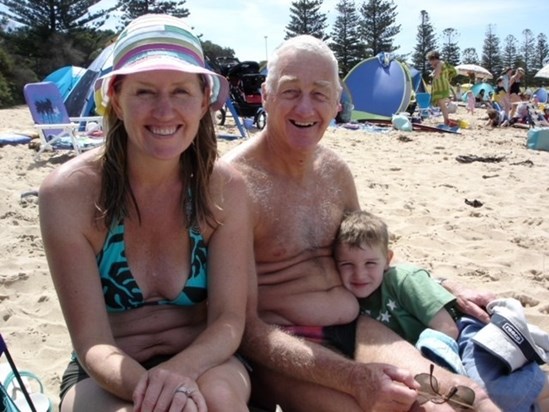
[(245, 93)]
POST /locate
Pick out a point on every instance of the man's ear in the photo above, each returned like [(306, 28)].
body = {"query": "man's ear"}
[(264, 97)]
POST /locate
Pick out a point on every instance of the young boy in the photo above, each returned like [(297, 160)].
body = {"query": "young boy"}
[(407, 300)]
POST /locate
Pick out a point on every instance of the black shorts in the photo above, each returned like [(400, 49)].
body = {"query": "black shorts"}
[(75, 373)]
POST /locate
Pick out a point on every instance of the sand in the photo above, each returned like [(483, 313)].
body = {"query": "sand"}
[(411, 179)]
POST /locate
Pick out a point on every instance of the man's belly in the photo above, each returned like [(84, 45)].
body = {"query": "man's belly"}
[(319, 308)]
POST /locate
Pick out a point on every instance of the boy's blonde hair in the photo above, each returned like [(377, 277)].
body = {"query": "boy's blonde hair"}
[(360, 228)]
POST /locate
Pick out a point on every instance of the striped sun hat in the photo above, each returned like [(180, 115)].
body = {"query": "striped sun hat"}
[(159, 42)]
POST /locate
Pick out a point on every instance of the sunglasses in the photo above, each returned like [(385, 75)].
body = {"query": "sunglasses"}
[(461, 396)]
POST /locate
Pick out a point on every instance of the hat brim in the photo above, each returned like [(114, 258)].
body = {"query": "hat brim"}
[(219, 86), (505, 340)]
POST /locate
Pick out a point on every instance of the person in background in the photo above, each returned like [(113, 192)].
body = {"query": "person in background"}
[(140, 234), (471, 102), (514, 90), (297, 296), (415, 306), (440, 87)]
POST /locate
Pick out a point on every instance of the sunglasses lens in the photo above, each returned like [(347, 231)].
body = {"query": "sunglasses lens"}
[(427, 383), (464, 397)]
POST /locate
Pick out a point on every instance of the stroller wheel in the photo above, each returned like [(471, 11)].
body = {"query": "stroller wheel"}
[(220, 117), (260, 119)]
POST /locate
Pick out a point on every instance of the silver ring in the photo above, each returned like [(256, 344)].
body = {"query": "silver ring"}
[(186, 391)]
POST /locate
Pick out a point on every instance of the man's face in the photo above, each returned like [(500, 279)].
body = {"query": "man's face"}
[(304, 99)]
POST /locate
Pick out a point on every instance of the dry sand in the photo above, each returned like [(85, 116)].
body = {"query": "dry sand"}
[(411, 179)]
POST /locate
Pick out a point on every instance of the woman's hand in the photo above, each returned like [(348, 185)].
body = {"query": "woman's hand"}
[(163, 390)]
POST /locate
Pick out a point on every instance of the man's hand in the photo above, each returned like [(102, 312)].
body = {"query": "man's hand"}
[(382, 387), (471, 302)]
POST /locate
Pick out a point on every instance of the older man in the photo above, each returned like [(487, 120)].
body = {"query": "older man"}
[(299, 191)]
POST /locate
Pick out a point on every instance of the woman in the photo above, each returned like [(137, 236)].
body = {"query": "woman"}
[(440, 87), (140, 238), (514, 90)]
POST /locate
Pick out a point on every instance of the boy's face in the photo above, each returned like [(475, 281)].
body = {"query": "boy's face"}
[(361, 269)]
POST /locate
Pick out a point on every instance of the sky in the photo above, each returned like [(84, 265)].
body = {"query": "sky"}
[(253, 28)]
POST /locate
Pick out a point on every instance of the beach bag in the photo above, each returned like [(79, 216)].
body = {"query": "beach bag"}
[(17, 392), (538, 139)]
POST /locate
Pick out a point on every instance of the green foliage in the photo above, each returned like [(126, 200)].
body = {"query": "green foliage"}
[(450, 48), (509, 52), (491, 55), (306, 18), (134, 8), (346, 42), (212, 51), (426, 41), (541, 52), (46, 17), (470, 56), (378, 27)]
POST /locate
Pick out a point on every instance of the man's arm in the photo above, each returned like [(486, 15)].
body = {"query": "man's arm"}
[(385, 386), (469, 301)]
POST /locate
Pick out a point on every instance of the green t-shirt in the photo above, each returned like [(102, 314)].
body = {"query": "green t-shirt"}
[(406, 301)]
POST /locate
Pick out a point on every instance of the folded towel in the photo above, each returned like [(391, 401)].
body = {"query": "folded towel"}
[(441, 349)]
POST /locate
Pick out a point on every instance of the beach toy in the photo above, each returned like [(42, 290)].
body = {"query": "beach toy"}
[(463, 124)]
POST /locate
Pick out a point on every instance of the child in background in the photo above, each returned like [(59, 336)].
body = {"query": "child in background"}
[(407, 300), (471, 101), (497, 118)]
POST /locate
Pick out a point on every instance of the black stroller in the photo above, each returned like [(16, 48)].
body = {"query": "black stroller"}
[(245, 93)]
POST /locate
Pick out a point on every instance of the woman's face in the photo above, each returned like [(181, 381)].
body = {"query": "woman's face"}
[(161, 111)]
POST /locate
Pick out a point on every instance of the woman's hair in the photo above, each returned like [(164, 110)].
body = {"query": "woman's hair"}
[(299, 45), (360, 228), (433, 54), (196, 166)]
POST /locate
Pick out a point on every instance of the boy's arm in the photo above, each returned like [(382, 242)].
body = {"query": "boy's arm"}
[(443, 322)]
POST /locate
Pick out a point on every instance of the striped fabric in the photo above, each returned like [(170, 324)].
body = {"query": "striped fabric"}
[(159, 42)]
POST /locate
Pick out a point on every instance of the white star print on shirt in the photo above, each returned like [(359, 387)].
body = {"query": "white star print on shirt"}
[(384, 317), (391, 304)]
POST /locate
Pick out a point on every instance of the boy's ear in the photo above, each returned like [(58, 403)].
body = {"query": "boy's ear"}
[(390, 255)]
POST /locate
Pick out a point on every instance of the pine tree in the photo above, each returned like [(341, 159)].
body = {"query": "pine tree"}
[(346, 41), (491, 55), (134, 8), (541, 53), (450, 48), (527, 53), (378, 27), (510, 53), (426, 41), (46, 17), (306, 18), (470, 56)]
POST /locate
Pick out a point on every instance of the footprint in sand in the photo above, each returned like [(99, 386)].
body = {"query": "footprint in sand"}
[(544, 309), (527, 301)]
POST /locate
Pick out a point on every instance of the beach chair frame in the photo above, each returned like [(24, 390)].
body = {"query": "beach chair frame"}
[(56, 129)]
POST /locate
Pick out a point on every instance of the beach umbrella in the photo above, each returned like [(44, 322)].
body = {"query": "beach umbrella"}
[(544, 73), (479, 71)]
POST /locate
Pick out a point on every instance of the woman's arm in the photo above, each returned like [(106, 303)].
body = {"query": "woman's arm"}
[(66, 206), (229, 251)]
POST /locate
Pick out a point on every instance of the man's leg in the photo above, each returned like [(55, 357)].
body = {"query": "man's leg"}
[(377, 343), (270, 388)]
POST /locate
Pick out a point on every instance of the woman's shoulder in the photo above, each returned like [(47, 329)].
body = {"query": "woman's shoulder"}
[(80, 175)]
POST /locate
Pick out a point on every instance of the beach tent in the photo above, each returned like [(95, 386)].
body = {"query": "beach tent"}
[(79, 102), (65, 78), (488, 88), (418, 84), (379, 86), (541, 95)]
